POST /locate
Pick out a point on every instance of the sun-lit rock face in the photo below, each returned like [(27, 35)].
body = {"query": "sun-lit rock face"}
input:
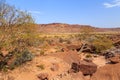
[(108, 72)]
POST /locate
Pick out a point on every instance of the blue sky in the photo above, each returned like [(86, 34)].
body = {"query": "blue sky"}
[(98, 13)]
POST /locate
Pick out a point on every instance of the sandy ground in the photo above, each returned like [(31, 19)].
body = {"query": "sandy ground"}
[(30, 70), (99, 61)]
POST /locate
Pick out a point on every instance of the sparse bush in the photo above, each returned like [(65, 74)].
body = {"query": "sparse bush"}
[(17, 28), (17, 33), (20, 58), (61, 40), (14, 59), (86, 32), (88, 56), (68, 42), (42, 67), (5, 69), (42, 52), (101, 44)]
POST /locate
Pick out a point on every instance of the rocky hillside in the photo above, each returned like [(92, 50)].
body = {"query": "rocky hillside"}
[(69, 28)]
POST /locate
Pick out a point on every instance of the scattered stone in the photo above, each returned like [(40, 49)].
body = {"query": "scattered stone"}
[(109, 55), (117, 44), (75, 67), (43, 76), (115, 59), (55, 67)]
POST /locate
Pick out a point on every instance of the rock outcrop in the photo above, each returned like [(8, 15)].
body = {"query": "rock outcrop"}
[(73, 59), (68, 56), (108, 72), (87, 68), (111, 52)]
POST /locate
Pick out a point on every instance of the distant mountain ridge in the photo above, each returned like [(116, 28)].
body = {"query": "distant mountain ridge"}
[(70, 28)]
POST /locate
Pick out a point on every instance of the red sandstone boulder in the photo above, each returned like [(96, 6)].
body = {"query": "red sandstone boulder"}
[(108, 72), (87, 68)]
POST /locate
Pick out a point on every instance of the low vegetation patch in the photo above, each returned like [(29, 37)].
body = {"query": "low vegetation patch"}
[(42, 67), (17, 33), (15, 59), (88, 56), (101, 44), (42, 53)]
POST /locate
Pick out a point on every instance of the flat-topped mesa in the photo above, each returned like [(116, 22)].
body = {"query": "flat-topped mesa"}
[(61, 28), (70, 28), (63, 24)]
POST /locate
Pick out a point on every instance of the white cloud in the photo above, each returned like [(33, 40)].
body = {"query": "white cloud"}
[(35, 12), (114, 3)]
